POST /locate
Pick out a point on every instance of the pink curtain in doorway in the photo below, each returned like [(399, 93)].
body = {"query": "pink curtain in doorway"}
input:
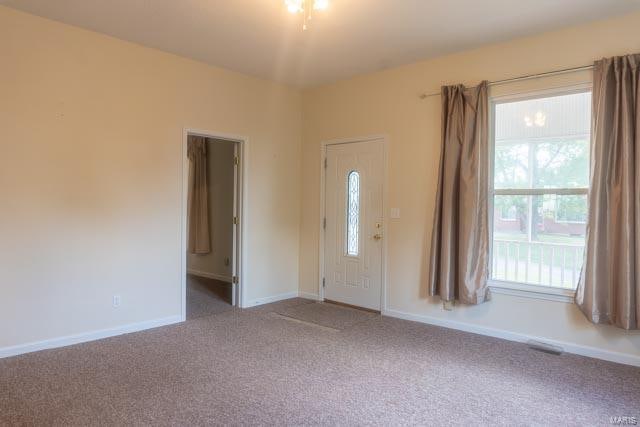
[(198, 204)]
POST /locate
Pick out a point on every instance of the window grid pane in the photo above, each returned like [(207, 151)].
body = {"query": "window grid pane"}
[(541, 162), (353, 212)]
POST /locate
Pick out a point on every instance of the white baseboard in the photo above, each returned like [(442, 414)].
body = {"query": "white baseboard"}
[(267, 300), (86, 336), (214, 276), (309, 295), (624, 358), (582, 350)]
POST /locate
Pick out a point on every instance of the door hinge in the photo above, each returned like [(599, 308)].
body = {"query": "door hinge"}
[(236, 161), (324, 223), (234, 280), (323, 282), (325, 162), (235, 220)]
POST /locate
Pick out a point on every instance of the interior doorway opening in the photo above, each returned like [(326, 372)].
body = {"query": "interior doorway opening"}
[(211, 224)]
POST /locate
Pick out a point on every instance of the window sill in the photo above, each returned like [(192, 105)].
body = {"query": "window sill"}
[(532, 291)]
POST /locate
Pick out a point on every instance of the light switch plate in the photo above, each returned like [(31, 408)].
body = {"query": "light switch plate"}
[(395, 213)]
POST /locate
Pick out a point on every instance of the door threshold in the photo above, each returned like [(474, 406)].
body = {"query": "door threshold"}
[(343, 304)]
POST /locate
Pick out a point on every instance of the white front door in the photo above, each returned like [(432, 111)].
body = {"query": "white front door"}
[(354, 223)]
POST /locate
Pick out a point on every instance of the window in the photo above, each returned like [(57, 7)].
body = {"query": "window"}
[(353, 212), (508, 213), (571, 209), (540, 183)]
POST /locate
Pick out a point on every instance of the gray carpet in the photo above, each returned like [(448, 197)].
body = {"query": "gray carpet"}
[(206, 297), (248, 367), (327, 315)]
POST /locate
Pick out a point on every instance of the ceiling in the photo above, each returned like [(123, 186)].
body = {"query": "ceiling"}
[(260, 38)]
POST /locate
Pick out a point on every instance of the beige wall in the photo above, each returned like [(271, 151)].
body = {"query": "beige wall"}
[(90, 169), (220, 169), (387, 103)]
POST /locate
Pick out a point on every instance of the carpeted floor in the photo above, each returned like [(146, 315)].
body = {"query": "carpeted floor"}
[(327, 315), (249, 367), (206, 297)]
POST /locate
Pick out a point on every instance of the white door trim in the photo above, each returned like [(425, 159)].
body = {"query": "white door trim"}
[(385, 223), (242, 195)]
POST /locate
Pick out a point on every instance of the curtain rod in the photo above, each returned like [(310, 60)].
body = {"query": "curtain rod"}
[(525, 77)]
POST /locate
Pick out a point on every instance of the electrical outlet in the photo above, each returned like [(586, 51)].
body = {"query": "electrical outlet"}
[(116, 301)]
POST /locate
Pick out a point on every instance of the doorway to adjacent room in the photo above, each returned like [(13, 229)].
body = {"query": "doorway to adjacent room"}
[(211, 224)]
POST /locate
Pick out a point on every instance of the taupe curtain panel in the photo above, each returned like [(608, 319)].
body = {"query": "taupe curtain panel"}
[(460, 239), (198, 204), (609, 286)]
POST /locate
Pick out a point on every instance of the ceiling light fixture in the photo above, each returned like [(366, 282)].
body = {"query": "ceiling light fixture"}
[(540, 119), (306, 7)]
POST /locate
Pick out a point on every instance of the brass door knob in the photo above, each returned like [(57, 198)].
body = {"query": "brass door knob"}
[(377, 236)]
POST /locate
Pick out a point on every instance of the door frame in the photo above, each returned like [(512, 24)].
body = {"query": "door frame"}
[(240, 261), (385, 222)]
